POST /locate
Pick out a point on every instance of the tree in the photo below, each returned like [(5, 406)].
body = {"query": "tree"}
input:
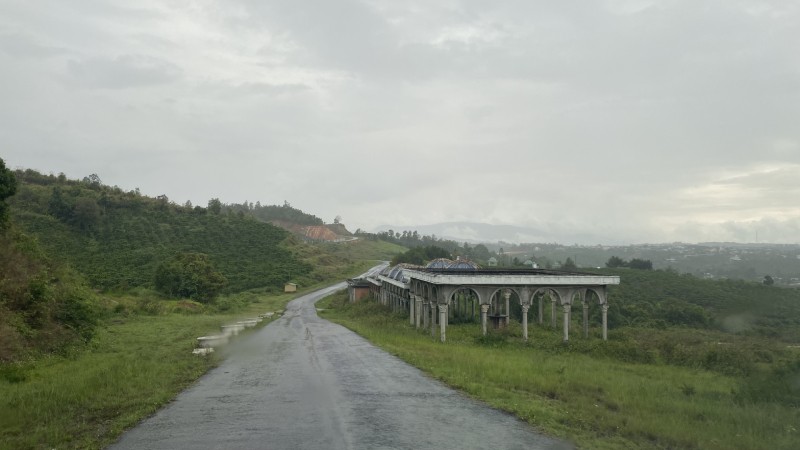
[(641, 264), (569, 264), (214, 206), (768, 280), (419, 255), (86, 214), (616, 261), (337, 220), (8, 187), (481, 252), (189, 275), (92, 180), (58, 206)]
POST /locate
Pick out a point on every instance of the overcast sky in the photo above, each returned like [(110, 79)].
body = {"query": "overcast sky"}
[(621, 120)]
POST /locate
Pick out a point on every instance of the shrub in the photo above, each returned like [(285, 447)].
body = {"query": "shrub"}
[(189, 275)]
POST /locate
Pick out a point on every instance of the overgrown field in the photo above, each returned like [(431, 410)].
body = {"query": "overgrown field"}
[(668, 388)]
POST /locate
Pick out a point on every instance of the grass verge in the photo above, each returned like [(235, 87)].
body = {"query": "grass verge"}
[(598, 402)]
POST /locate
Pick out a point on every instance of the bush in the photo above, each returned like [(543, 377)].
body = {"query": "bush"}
[(189, 275), (779, 385), (43, 307)]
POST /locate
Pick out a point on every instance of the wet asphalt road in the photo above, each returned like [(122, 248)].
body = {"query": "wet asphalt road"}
[(302, 382)]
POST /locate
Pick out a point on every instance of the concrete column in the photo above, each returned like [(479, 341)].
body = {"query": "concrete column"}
[(605, 321), (433, 319), (585, 319), (525, 321), (484, 313), (507, 296), (541, 310), (442, 321), (566, 322), (425, 306), (417, 311), (411, 305), (553, 313)]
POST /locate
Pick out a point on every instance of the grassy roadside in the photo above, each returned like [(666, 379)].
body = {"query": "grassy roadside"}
[(138, 361), (598, 402)]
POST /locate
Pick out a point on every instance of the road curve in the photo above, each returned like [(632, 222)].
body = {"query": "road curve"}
[(302, 382)]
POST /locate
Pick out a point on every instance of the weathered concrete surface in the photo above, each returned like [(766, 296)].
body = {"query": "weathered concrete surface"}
[(304, 383)]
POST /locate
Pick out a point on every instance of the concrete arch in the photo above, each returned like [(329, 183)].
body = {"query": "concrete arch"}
[(600, 293), (461, 289), (501, 303), (501, 289), (544, 290), (463, 304)]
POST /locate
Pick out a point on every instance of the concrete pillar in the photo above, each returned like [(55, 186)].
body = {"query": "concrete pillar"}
[(566, 322), (553, 313), (507, 296), (585, 319), (417, 311), (541, 310), (605, 321), (411, 305), (433, 319), (425, 306), (525, 321), (442, 321), (484, 313)]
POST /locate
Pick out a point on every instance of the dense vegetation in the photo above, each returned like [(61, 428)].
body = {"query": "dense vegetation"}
[(118, 239), (663, 298), (189, 275), (271, 213), (44, 306), (421, 255)]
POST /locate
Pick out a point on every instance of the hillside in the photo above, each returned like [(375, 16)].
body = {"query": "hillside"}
[(44, 306), (117, 239), (664, 298)]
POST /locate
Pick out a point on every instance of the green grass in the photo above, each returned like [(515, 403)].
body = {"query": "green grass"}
[(131, 368), (598, 402), (138, 361)]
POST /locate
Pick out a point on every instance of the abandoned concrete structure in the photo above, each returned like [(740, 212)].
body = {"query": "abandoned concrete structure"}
[(446, 290), (358, 289)]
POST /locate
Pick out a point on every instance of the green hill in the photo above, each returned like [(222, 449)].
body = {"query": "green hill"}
[(663, 298), (117, 239)]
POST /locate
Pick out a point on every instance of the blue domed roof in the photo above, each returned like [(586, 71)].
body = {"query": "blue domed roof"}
[(463, 265), (439, 263)]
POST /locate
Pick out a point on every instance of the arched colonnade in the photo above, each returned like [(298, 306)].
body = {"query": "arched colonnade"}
[(428, 295)]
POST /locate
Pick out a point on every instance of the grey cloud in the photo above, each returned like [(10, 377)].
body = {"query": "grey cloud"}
[(781, 179), (125, 71), (570, 117), (23, 46)]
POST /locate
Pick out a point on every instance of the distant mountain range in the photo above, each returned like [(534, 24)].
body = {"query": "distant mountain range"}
[(484, 232)]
